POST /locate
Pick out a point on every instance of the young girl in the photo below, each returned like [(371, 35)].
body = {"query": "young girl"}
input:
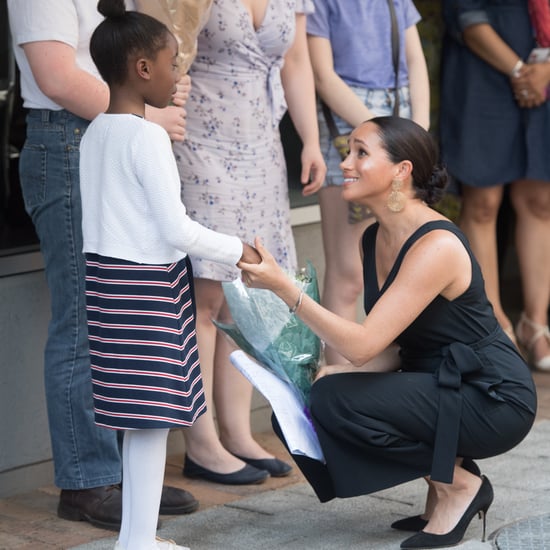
[(145, 364)]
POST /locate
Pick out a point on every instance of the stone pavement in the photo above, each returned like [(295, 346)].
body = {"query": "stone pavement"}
[(292, 518), (283, 512)]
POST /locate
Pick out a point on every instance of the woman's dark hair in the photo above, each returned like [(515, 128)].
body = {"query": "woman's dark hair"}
[(403, 139), (123, 34)]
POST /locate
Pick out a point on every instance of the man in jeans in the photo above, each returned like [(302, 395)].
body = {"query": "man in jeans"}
[(63, 92)]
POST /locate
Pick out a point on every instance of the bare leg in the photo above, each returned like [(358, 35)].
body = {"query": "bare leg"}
[(531, 201), (478, 220), (431, 501), (452, 500), (431, 498), (233, 397), (202, 443), (343, 281)]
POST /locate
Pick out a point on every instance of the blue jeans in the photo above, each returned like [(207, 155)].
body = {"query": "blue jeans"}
[(84, 454)]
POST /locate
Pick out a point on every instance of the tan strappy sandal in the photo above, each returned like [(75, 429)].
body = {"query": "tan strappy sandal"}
[(540, 331)]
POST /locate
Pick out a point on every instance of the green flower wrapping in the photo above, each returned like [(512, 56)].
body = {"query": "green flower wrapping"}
[(265, 329)]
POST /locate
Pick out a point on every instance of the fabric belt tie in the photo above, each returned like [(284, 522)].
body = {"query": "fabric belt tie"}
[(276, 93), (460, 360)]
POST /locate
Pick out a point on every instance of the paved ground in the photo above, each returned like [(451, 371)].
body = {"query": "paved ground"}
[(283, 513), (292, 518)]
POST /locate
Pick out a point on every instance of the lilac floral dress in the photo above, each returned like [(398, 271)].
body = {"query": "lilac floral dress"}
[(231, 164)]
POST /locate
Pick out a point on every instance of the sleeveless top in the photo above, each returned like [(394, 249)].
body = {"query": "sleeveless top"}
[(459, 341)]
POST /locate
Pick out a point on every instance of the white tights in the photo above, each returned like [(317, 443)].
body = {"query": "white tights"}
[(143, 463)]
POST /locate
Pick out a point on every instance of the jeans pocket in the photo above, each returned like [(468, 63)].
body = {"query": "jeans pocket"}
[(32, 171)]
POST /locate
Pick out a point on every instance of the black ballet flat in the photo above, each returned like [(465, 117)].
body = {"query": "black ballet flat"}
[(248, 475), (276, 467), (417, 523), (479, 505)]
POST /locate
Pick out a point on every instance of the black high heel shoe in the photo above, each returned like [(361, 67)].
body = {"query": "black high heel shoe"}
[(479, 505), (417, 523), (412, 523)]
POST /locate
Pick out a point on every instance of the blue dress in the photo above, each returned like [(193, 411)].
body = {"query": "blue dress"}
[(232, 166), (486, 139)]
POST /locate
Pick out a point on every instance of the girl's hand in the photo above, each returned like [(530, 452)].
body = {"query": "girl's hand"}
[(250, 255), (266, 274)]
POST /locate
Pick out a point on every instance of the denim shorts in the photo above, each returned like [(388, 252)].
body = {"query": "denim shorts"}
[(380, 102)]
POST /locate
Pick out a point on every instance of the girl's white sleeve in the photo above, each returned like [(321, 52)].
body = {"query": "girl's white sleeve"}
[(157, 170)]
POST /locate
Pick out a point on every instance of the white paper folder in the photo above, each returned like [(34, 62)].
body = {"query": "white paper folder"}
[(297, 428)]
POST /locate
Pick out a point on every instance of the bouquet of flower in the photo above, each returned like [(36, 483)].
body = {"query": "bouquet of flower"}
[(265, 329)]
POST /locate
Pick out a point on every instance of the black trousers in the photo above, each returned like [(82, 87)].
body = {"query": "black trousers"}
[(377, 430)]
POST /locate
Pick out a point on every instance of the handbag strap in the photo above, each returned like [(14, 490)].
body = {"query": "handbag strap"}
[(395, 54), (327, 113)]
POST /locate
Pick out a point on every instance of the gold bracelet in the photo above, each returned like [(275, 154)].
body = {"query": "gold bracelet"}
[(298, 303)]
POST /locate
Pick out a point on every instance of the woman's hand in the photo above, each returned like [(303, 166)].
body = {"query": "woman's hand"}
[(183, 88), (327, 370), (314, 169), (530, 87), (172, 118)]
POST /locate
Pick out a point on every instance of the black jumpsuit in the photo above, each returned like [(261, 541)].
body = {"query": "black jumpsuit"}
[(463, 391)]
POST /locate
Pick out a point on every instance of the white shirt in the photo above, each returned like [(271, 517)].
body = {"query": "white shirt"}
[(69, 21), (131, 205)]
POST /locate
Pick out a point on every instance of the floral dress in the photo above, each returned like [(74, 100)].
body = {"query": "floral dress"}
[(231, 163)]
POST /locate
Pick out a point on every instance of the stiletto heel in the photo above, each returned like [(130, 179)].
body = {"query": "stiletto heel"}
[(417, 523), (479, 506)]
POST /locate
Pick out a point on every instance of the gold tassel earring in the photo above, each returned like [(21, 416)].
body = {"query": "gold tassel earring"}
[(397, 199)]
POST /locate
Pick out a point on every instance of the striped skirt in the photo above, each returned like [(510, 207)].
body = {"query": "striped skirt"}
[(143, 348)]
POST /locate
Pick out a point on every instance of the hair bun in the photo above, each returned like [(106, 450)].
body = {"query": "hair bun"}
[(111, 8), (437, 184)]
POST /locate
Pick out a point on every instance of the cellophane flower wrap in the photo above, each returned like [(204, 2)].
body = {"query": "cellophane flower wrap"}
[(265, 329)]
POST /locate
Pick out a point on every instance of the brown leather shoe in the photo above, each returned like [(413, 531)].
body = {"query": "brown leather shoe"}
[(100, 506), (176, 501)]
